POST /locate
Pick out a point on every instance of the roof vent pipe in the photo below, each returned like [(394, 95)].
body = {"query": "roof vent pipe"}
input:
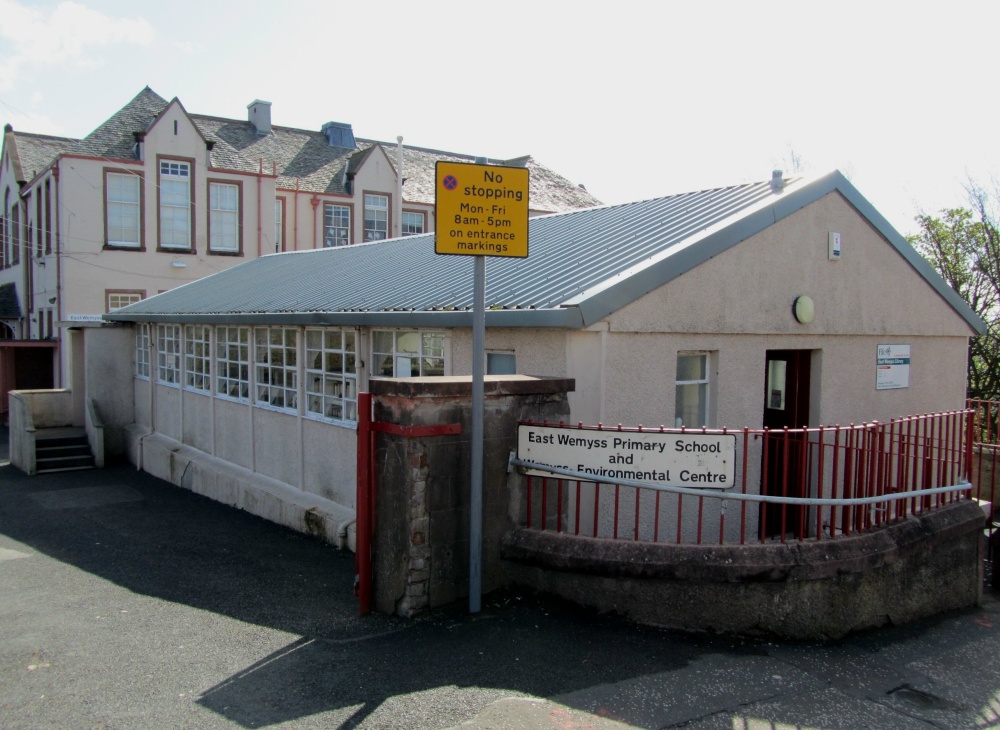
[(777, 182)]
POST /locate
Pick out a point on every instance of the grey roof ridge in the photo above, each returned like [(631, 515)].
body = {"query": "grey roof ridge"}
[(609, 296), (683, 194), (415, 148), (52, 137)]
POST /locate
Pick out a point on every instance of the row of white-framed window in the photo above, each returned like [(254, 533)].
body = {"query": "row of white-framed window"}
[(262, 364), (123, 216)]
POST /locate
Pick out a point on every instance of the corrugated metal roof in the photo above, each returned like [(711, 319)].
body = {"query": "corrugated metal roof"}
[(569, 254), (581, 267)]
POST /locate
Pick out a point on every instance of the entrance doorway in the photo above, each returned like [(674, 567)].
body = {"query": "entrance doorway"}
[(783, 472), (25, 365)]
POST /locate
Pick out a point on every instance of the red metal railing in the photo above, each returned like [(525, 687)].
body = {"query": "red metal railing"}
[(816, 476), (986, 453)]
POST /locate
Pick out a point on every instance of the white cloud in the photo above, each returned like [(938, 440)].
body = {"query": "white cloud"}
[(71, 33)]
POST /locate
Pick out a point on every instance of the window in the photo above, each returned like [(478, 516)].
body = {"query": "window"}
[(232, 362), (48, 217), (39, 224), (336, 225), (15, 234), (142, 351), (175, 205), (279, 225), (407, 354), (197, 357), (4, 231), (116, 299), (224, 218), (275, 369), (122, 210), (413, 223), (376, 217), (501, 363), (691, 402), (168, 353), (331, 380)]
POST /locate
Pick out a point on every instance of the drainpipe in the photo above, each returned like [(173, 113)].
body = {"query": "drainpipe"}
[(58, 248), (342, 533), (260, 183), (398, 207), (274, 174), (295, 215), (316, 239)]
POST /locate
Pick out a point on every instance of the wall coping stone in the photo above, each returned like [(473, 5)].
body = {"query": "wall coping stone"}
[(757, 562), (461, 386)]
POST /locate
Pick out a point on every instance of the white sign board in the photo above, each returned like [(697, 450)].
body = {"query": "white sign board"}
[(892, 367), (83, 318), (698, 460)]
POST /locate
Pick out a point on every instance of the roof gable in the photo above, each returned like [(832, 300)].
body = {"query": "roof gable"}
[(175, 102)]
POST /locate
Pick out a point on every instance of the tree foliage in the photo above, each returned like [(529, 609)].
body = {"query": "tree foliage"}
[(963, 245)]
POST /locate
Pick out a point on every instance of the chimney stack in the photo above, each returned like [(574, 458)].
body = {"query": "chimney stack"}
[(259, 115)]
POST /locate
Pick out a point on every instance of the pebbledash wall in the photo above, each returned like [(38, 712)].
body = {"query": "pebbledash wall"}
[(735, 307)]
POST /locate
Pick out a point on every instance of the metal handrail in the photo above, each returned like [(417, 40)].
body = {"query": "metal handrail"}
[(580, 476)]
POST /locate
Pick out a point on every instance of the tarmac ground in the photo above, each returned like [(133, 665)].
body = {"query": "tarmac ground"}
[(126, 602)]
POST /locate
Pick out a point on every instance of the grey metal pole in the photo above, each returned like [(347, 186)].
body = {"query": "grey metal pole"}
[(476, 497)]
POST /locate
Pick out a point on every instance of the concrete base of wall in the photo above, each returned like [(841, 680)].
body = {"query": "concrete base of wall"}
[(204, 474), (801, 590)]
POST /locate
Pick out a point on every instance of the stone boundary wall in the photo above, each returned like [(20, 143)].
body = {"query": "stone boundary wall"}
[(985, 460), (420, 553), (815, 590)]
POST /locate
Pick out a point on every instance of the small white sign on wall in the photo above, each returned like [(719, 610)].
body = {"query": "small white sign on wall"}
[(83, 318), (892, 367)]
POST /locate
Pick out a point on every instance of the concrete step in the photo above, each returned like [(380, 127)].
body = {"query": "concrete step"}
[(62, 449), (62, 463), (49, 452)]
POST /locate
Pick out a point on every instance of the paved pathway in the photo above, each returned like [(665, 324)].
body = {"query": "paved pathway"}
[(128, 603)]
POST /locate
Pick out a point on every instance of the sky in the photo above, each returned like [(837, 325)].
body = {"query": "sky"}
[(634, 100)]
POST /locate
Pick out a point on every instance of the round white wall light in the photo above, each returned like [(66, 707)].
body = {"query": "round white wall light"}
[(803, 309)]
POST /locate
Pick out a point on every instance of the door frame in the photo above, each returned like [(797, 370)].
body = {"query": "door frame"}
[(785, 455)]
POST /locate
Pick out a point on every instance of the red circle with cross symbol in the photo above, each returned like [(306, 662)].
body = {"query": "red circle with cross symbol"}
[(450, 182)]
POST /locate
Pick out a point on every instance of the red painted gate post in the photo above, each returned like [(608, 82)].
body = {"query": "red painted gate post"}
[(362, 506)]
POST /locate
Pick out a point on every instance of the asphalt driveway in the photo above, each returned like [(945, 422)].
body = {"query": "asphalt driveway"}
[(126, 602)]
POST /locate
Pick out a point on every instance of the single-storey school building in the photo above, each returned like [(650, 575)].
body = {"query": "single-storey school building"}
[(788, 302)]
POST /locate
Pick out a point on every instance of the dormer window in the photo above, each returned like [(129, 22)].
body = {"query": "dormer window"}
[(339, 134)]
